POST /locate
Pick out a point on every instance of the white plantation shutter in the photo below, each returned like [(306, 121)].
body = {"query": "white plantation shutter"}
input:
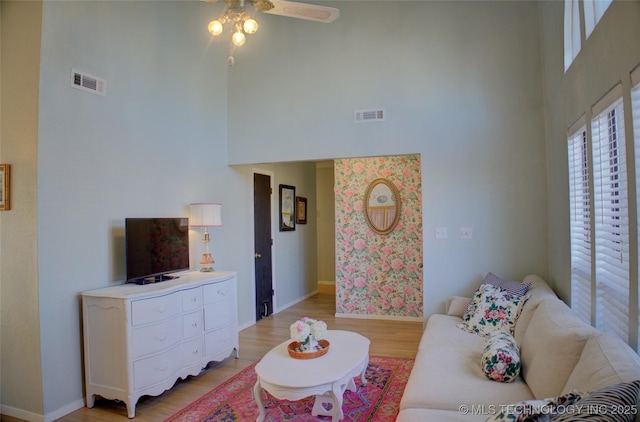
[(635, 109), (611, 217), (580, 208)]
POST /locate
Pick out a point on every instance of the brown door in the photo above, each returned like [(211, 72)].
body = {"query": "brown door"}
[(262, 244)]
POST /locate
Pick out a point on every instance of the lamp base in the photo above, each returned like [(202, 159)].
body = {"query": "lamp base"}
[(206, 262)]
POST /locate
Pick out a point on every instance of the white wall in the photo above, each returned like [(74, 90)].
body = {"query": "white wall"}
[(461, 85)]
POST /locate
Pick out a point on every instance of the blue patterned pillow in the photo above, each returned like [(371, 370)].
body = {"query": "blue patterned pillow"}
[(537, 410), (512, 287), (501, 357), (615, 403)]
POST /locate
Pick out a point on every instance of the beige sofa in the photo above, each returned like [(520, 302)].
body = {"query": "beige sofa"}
[(558, 352)]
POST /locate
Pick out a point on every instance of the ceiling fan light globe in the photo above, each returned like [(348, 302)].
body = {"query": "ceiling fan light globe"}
[(250, 26), (238, 39), (215, 28)]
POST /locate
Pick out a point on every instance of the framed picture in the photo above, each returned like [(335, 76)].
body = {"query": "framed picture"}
[(301, 210), (5, 172), (287, 208)]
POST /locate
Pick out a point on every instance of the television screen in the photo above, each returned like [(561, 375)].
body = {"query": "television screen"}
[(155, 247)]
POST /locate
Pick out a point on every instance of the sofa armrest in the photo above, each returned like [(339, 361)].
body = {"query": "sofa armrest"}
[(456, 305)]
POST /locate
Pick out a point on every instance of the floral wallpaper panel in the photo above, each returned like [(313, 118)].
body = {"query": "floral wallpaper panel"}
[(378, 274)]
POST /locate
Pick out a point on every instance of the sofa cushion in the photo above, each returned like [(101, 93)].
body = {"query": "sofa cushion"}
[(441, 330), (456, 305), (551, 347), (501, 357), (538, 292), (615, 403), (605, 360), (493, 309), (447, 374), (437, 415)]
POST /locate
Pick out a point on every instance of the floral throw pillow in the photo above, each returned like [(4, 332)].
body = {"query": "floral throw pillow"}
[(501, 357), (493, 309), (541, 410)]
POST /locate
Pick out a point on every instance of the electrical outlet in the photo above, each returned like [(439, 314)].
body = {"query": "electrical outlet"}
[(466, 233), (441, 233)]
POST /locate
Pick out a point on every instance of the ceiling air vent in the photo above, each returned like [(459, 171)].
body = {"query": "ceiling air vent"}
[(365, 116), (88, 83)]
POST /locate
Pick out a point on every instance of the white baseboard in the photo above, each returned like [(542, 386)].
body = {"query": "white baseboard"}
[(384, 317), (71, 407), (290, 304), (21, 414)]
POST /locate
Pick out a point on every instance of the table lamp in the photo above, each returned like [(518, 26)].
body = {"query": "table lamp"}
[(206, 214)]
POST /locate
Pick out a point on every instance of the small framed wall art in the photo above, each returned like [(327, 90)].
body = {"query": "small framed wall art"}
[(5, 173), (301, 210), (287, 208)]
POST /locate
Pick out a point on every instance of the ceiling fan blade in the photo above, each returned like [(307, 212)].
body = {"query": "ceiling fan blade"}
[(306, 11)]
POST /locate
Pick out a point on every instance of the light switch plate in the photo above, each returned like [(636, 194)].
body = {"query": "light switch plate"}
[(466, 233), (441, 233)]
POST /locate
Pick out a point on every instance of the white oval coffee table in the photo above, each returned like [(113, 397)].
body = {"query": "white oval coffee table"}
[(326, 377)]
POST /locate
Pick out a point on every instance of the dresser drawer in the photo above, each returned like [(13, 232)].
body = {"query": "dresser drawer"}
[(192, 324), (220, 340), (155, 338), (192, 352), (219, 314), (191, 299), (218, 292), (154, 369), (155, 309)]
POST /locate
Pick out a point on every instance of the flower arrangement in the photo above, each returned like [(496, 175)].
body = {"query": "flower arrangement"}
[(307, 331)]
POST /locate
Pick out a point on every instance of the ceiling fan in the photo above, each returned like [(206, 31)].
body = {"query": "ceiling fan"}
[(239, 18)]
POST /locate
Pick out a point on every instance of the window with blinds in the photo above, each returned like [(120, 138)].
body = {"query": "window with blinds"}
[(580, 225), (593, 11), (635, 111), (572, 42), (611, 217)]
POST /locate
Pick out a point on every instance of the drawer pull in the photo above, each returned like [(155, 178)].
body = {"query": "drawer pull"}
[(164, 367), (161, 309), (195, 324), (161, 338), (196, 352), (223, 292), (194, 299)]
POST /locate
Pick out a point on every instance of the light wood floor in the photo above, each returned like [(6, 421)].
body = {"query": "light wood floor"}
[(388, 338)]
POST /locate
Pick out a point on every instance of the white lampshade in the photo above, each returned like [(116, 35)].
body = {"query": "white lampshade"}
[(206, 214)]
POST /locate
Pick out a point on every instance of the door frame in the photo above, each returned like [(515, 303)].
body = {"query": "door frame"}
[(274, 223)]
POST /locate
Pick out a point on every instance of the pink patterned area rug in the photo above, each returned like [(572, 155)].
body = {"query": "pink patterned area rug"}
[(232, 400)]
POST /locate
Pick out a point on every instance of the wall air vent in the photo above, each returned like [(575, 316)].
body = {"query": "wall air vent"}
[(88, 83), (365, 116)]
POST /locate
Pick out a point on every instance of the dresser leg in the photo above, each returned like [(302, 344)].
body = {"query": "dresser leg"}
[(91, 400)]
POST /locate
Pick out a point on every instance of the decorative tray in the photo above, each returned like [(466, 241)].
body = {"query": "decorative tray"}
[(295, 350)]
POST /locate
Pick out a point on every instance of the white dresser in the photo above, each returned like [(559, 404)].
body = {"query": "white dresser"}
[(139, 339)]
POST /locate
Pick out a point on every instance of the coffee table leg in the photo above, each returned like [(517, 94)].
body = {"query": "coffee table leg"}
[(336, 395), (364, 369), (257, 396)]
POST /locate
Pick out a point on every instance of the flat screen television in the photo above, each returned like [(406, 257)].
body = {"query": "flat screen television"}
[(155, 248)]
